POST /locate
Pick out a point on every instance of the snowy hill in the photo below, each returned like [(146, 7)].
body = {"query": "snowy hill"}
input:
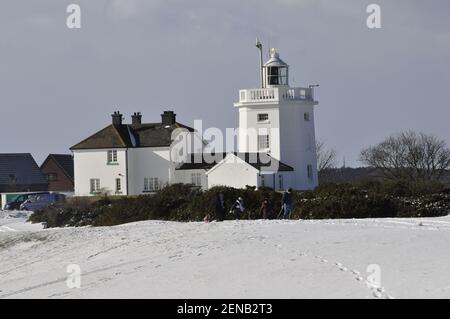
[(234, 259)]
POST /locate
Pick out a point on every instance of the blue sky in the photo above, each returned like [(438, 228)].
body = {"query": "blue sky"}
[(57, 85)]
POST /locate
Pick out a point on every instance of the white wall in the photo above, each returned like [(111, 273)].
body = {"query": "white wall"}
[(232, 172), (297, 142), (93, 164), (2, 201), (148, 162)]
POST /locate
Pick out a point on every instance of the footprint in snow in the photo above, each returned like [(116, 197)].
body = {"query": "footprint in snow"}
[(341, 267), (377, 294)]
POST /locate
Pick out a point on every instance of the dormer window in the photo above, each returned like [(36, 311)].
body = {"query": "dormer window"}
[(112, 157)]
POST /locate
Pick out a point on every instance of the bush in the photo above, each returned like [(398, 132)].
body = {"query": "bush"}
[(179, 202)]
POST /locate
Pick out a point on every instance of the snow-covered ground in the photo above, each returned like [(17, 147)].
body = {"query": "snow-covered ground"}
[(373, 258)]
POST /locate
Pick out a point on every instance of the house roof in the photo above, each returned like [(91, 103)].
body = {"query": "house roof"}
[(256, 160), (128, 136), (19, 169), (198, 161), (263, 160), (64, 161)]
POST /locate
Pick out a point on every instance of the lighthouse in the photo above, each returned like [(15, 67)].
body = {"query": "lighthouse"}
[(278, 119)]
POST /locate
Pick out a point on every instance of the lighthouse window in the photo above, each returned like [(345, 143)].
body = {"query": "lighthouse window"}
[(309, 170), (263, 117), (306, 116), (263, 142), (277, 75), (263, 182), (280, 182)]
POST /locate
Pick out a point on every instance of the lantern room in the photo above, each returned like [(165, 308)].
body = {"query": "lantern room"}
[(275, 71)]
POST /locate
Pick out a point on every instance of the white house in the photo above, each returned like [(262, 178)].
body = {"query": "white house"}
[(276, 146), (130, 159)]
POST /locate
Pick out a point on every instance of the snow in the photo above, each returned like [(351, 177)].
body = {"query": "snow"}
[(233, 259), (13, 221)]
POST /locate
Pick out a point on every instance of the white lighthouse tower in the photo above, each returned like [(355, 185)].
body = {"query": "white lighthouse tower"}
[(279, 120)]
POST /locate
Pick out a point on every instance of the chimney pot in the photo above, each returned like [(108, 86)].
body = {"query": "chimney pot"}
[(116, 118), (168, 118), (136, 118)]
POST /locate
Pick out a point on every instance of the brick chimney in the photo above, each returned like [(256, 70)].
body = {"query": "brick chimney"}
[(168, 118), (136, 118), (116, 118)]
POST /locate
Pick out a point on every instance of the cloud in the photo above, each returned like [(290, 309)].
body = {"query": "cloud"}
[(194, 56)]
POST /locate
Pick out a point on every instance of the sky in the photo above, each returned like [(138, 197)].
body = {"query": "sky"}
[(60, 85)]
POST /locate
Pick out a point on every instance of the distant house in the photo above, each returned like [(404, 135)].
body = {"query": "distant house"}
[(19, 174), (58, 169)]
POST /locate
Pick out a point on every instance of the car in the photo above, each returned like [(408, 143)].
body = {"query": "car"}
[(20, 199), (42, 201)]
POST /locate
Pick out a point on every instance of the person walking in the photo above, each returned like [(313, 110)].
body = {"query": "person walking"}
[(219, 207), (238, 208), (286, 204), (266, 209)]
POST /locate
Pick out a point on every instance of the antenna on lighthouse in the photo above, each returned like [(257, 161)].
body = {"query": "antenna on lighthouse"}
[(259, 46)]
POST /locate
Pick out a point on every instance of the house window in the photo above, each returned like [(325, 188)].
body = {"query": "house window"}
[(151, 184), (112, 157), (51, 177), (280, 182), (196, 179), (309, 170), (263, 142), (95, 185), (118, 185), (306, 116), (263, 117)]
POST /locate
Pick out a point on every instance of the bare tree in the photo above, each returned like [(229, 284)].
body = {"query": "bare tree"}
[(409, 155), (326, 158)]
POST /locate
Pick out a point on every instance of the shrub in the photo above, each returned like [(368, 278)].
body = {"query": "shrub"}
[(179, 202)]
